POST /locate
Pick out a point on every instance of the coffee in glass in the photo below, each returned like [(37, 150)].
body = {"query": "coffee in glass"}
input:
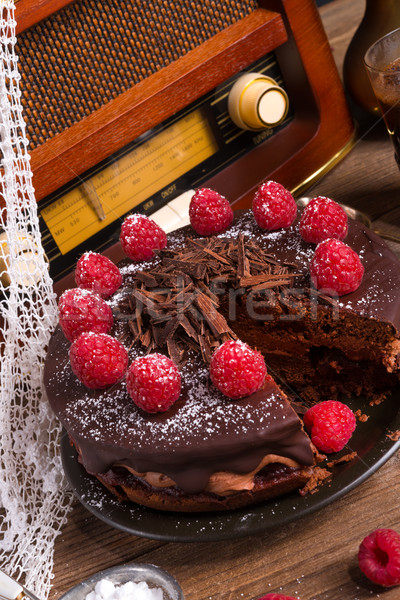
[(382, 61)]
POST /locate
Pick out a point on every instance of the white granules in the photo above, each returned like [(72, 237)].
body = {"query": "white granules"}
[(107, 590)]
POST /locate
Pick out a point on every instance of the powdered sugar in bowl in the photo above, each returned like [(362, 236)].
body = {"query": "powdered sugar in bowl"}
[(133, 581)]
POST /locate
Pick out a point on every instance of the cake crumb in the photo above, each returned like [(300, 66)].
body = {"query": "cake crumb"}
[(319, 457), (378, 399), (394, 435), (342, 459), (319, 476), (361, 416)]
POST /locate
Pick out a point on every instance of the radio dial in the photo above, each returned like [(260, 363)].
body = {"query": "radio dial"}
[(256, 102)]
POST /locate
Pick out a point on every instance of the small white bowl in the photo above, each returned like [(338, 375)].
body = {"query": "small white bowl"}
[(152, 575)]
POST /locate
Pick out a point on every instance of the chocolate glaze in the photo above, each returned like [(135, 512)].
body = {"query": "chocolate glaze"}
[(205, 432), (202, 433)]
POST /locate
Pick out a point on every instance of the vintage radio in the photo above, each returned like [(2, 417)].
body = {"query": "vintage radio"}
[(130, 104)]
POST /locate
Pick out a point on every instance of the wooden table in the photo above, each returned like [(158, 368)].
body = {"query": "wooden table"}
[(313, 558)]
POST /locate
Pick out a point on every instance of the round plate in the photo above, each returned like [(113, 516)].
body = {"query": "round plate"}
[(371, 441)]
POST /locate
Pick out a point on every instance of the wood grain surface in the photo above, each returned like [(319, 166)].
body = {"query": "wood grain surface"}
[(29, 12), (313, 558)]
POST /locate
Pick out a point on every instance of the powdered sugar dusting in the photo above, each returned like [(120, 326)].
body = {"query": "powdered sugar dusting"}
[(205, 414)]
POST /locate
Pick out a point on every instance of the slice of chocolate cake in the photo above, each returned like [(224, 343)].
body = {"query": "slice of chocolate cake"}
[(202, 454), (209, 452), (318, 345)]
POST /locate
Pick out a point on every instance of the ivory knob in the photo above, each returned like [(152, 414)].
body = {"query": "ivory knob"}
[(256, 102)]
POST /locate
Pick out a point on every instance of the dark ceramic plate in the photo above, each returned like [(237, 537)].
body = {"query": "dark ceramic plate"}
[(370, 441)]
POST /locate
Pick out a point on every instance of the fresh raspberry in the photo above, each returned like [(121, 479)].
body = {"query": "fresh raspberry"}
[(323, 218), (335, 268), (274, 206), (97, 273), (237, 370), (379, 557), (140, 236), (98, 360), (277, 597), (331, 424), (209, 212), (153, 382), (80, 310)]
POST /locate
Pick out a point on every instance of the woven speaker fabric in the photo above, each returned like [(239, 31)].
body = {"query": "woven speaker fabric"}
[(87, 54)]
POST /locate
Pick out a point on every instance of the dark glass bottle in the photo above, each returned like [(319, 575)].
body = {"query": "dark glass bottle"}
[(380, 17)]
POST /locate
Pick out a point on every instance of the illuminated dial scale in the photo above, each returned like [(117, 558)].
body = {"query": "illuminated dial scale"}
[(157, 173)]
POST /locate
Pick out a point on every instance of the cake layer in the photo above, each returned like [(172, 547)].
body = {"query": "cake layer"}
[(273, 481), (340, 352)]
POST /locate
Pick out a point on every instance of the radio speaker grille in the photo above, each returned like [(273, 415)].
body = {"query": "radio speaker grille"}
[(87, 54)]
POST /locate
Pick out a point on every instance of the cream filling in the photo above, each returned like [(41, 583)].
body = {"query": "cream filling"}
[(223, 483)]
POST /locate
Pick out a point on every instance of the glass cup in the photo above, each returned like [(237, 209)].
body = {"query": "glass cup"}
[(382, 61)]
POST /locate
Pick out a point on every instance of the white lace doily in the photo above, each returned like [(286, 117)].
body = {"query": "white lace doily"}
[(34, 500)]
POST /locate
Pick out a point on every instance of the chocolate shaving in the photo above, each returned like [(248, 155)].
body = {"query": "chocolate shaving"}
[(189, 329), (270, 284), (194, 270), (243, 269), (134, 329), (162, 334), (148, 279), (175, 305), (143, 299), (324, 298), (213, 254), (146, 339), (174, 351), (215, 320)]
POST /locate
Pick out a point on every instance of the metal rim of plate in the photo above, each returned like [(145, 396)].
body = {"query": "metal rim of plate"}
[(371, 441)]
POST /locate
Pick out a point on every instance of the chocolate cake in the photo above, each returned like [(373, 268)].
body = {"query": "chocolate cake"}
[(209, 452)]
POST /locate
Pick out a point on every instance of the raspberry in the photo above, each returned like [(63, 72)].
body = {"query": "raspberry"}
[(277, 597), (335, 268), (379, 557), (153, 382), (237, 370), (209, 212), (140, 236), (80, 310), (98, 360), (97, 273), (331, 424), (274, 206), (322, 219)]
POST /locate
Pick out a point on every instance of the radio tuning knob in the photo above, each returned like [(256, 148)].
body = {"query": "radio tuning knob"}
[(256, 102)]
